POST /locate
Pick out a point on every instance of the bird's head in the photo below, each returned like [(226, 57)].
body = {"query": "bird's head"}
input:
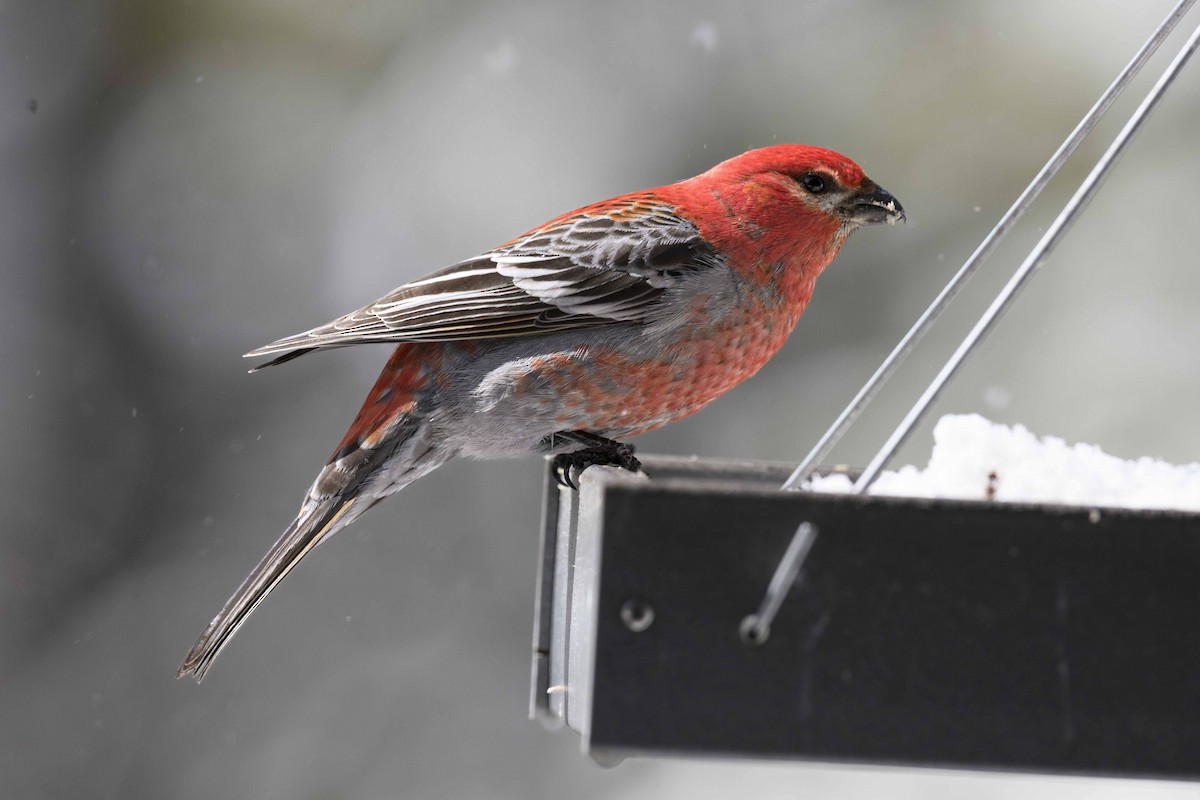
[(787, 208), (795, 180)]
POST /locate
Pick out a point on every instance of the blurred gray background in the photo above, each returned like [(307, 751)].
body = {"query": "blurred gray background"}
[(183, 181)]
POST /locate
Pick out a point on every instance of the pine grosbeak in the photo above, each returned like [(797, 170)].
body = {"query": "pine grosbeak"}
[(601, 324)]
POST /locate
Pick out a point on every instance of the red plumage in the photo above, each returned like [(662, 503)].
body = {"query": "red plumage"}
[(605, 322)]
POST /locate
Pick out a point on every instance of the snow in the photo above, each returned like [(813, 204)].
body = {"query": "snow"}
[(976, 459)]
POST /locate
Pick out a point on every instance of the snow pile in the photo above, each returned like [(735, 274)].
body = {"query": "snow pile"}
[(975, 459)]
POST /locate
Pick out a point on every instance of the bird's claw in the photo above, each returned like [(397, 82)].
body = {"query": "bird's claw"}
[(569, 466)]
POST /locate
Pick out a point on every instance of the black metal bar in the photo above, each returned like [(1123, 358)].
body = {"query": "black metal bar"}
[(934, 633)]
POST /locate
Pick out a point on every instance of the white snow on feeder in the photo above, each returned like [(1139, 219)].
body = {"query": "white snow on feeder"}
[(976, 459)]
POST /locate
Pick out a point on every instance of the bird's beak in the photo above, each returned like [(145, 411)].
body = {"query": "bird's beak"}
[(871, 205)]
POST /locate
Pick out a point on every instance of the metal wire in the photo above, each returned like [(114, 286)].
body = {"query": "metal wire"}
[(755, 628), (1034, 260), (865, 395)]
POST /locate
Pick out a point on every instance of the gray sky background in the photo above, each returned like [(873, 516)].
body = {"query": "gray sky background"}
[(184, 181)]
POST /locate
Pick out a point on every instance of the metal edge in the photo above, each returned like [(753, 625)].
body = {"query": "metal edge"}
[(539, 679), (707, 476)]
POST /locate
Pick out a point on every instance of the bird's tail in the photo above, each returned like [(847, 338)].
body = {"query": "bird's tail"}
[(387, 447), (315, 522)]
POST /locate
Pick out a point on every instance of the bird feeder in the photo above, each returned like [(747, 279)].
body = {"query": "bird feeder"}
[(705, 612)]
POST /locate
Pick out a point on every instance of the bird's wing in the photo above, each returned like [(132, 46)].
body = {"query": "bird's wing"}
[(604, 264)]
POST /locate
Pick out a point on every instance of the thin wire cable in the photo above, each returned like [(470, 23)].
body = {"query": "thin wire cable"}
[(865, 395), (1034, 260), (756, 627)]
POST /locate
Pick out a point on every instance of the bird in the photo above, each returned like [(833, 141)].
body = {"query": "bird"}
[(603, 323)]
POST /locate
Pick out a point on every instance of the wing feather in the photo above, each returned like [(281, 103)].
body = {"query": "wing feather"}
[(602, 265)]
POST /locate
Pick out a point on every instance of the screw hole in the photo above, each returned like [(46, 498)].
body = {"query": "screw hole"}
[(752, 631), (638, 615)]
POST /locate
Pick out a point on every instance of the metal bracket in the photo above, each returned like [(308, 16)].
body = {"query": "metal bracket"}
[(934, 633)]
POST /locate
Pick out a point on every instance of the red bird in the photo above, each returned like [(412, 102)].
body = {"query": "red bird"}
[(603, 323)]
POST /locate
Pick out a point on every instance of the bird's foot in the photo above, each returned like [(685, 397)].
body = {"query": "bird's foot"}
[(600, 452)]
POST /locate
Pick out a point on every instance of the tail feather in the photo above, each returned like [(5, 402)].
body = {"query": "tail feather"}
[(347, 486), (283, 359), (387, 447), (313, 525)]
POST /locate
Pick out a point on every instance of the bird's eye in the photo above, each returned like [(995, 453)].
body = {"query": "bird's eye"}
[(813, 182)]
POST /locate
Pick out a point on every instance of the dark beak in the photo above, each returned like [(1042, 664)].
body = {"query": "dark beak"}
[(872, 204)]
